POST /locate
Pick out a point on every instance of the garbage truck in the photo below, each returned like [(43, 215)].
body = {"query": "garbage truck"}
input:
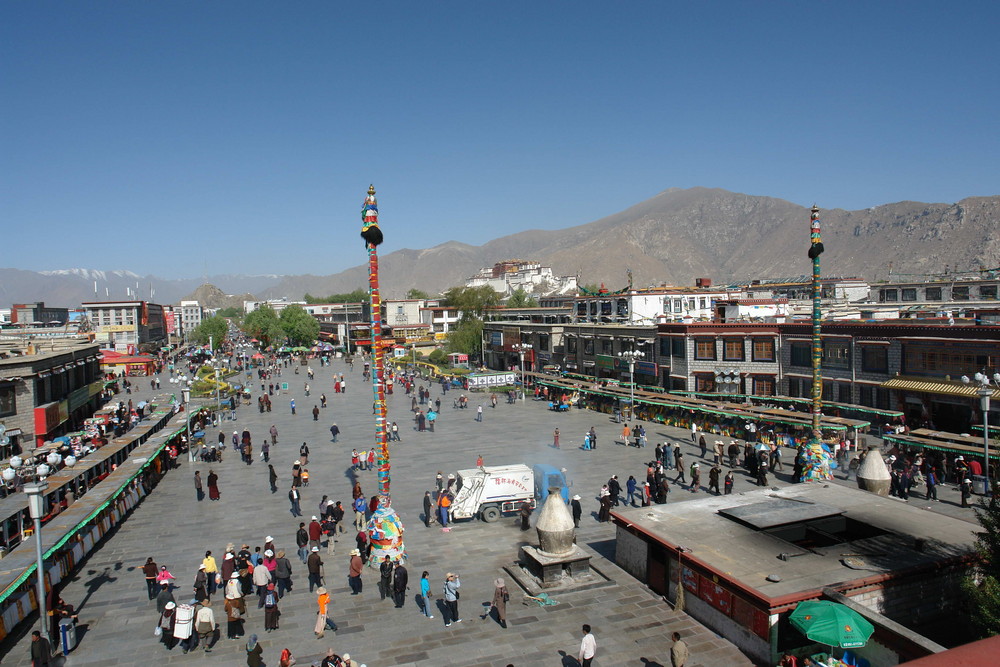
[(490, 491)]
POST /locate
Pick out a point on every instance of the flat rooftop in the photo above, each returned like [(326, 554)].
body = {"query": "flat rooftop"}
[(820, 528)]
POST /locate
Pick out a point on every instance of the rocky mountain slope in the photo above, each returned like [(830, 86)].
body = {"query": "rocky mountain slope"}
[(680, 235), (672, 238), (210, 296)]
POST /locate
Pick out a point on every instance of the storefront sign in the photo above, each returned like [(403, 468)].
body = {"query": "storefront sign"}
[(116, 328), (492, 379), (50, 415)]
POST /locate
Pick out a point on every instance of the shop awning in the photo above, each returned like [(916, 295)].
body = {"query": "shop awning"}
[(942, 387)]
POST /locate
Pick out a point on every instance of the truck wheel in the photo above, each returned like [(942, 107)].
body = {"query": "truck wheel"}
[(490, 514)]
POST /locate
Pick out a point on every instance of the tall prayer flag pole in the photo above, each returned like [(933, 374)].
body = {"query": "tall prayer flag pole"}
[(816, 460), (385, 530)]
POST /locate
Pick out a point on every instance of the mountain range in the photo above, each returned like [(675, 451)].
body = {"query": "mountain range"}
[(672, 238)]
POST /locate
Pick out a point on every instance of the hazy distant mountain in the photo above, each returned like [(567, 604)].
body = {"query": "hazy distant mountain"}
[(70, 287), (673, 238), (680, 235)]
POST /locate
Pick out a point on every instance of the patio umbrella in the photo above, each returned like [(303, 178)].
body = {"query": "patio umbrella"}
[(762, 447), (831, 623)]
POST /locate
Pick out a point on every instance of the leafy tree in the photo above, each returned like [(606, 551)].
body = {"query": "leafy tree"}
[(300, 327), (590, 287), (467, 337), (519, 298), (437, 356), (231, 312), (264, 325), (982, 587), (414, 293), (212, 328), (472, 301), (358, 295)]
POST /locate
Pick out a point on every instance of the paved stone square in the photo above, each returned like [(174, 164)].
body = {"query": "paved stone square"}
[(632, 624)]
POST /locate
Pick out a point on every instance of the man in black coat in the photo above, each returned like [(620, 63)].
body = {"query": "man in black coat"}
[(400, 580), (615, 489), (428, 504), (577, 510), (385, 579)]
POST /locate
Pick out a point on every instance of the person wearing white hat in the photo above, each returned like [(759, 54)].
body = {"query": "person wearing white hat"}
[(165, 625), (201, 583), (314, 564), (354, 572), (577, 510)]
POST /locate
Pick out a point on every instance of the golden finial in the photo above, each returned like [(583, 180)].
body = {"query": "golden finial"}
[(371, 189)]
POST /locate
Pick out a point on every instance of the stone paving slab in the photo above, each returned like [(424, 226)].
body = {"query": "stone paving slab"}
[(631, 623)]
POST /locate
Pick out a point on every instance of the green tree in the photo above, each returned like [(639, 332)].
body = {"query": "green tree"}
[(264, 325), (472, 301), (212, 328), (414, 293), (519, 298), (358, 295), (437, 356), (300, 327), (467, 337), (982, 586), (231, 312)]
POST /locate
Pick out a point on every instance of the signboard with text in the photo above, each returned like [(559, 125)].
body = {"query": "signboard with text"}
[(491, 379)]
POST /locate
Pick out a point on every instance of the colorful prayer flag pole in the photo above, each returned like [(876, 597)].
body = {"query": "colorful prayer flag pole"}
[(385, 530)]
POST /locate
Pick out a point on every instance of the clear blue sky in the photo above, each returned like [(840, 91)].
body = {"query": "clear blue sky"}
[(179, 138)]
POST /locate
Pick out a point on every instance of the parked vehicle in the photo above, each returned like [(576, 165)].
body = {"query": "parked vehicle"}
[(490, 491)]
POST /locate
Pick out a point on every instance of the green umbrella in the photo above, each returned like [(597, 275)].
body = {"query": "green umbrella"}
[(831, 623)]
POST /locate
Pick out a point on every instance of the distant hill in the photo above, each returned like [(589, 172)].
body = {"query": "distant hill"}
[(672, 238), (680, 235), (70, 287), (210, 296)]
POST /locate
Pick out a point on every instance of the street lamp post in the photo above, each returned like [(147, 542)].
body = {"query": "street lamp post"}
[(630, 357), (985, 393), (521, 348), (36, 507), (184, 384)]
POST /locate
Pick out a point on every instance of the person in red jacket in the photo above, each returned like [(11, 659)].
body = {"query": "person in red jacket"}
[(315, 532)]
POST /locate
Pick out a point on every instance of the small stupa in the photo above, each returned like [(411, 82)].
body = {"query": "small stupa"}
[(557, 563), (873, 475)]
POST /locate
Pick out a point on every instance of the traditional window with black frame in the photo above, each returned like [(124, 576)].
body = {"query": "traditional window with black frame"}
[(704, 383), (8, 400), (733, 349), (678, 347), (875, 358), (763, 386), (836, 354), (704, 349), (801, 355), (763, 349)]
